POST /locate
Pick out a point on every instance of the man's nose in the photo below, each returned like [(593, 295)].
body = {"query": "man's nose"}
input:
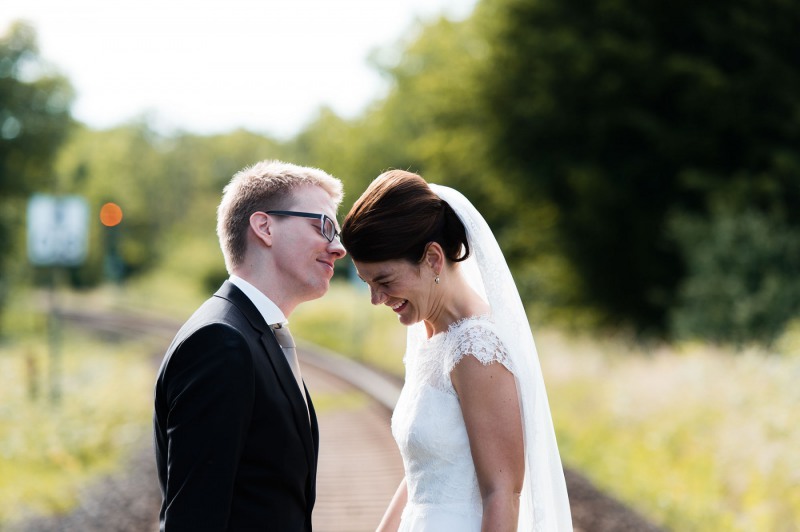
[(336, 248)]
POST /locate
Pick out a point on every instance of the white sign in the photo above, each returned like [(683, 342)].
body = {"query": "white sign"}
[(58, 230)]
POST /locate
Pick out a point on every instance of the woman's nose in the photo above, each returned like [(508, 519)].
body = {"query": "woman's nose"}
[(376, 296)]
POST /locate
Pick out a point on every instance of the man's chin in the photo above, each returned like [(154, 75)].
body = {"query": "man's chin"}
[(319, 291)]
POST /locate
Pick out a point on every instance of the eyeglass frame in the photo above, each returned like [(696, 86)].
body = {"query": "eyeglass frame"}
[(319, 216)]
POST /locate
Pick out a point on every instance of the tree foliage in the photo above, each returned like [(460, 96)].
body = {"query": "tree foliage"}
[(435, 110), (167, 187), (742, 281), (34, 121), (618, 149), (34, 113), (624, 113)]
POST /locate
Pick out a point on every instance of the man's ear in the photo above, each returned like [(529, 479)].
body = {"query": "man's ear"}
[(261, 227)]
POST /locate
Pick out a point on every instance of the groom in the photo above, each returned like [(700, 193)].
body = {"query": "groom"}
[(236, 436)]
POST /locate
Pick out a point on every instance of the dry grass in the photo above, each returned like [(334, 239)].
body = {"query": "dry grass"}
[(696, 437), (49, 450)]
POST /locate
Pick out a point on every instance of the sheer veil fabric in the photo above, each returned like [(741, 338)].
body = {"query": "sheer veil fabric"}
[(544, 505)]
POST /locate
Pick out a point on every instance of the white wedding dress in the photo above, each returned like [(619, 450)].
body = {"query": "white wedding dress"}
[(428, 425), (429, 429)]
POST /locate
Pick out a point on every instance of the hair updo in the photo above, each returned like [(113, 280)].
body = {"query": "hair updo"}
[(397, 217)]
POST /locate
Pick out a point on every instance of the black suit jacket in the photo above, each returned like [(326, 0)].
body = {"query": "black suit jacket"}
[(234, 447)]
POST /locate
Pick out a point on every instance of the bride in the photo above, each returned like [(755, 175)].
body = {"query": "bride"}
[(472, 423)]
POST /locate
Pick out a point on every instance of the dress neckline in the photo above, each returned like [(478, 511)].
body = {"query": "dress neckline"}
[(455, 325)]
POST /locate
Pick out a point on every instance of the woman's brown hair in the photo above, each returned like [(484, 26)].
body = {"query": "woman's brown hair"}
[(397, 216)]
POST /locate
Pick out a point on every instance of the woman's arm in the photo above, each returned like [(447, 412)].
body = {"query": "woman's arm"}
[(391, 519), (490, 405)]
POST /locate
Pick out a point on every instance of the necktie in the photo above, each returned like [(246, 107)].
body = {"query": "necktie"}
[(284, 337)]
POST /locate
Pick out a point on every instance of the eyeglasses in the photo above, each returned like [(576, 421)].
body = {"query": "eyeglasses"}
[(327, 226)]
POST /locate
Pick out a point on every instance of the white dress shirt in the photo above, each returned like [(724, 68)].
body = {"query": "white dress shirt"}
[(269, 310)]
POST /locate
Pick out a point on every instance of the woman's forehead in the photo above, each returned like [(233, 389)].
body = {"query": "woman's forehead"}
[(377, 271)]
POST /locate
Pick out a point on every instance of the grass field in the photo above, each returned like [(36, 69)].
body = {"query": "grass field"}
[(49, 449), (696, 438), (52, 447)]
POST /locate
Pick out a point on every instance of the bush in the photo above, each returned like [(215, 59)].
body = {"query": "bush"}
[(742, 284)]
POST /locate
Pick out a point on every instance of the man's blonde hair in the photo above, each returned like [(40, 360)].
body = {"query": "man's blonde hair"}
[(266, 185)]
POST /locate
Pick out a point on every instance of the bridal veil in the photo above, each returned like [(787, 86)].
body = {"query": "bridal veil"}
[(544, 505)]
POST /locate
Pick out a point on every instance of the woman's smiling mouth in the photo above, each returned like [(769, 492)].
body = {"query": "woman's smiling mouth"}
[(398, 307)]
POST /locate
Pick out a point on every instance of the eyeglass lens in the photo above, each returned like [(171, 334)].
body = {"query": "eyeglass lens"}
[(328, 229)]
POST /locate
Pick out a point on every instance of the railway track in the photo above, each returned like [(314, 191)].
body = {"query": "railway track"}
[(359, 465)]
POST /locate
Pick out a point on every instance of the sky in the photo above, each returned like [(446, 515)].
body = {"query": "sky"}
[(211, 66)]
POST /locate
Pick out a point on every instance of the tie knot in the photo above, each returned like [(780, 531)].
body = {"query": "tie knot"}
[(283, 335)]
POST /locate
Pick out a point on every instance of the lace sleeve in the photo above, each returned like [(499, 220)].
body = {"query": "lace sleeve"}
[(478, 339)]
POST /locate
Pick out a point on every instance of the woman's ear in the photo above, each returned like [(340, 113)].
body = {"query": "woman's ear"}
[(434, 257), (261, 227)]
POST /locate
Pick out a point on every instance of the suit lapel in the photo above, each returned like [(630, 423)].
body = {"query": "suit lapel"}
[(274, 353), (288, 383), (304, 420)]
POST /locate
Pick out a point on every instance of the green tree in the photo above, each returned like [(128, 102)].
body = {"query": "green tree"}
[(434, 121), (167, 186), (626, 113), (337, 146), (34, 121), (742, 284), (34, 113)]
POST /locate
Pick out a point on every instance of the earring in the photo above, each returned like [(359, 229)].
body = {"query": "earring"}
[(436, 280)]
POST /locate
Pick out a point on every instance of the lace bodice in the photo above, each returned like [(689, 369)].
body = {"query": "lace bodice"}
[(428, 424)]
